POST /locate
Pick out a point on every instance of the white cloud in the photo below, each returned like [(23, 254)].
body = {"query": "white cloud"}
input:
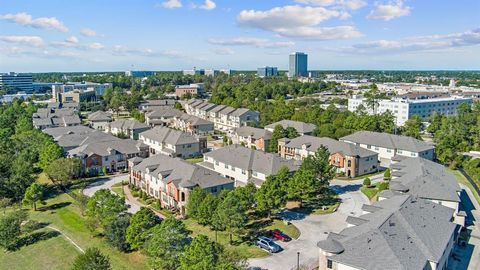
[(73, 42), (88, 32), (298, 22), (208, 5), (72, 39), (35, 41), (172, 4), (389, 11), (41, 22), (251, 41), (347, 4), (223, 51), (96, 46), (419, 43)]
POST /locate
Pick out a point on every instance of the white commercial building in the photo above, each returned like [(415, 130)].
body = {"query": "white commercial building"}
[(404, 109)]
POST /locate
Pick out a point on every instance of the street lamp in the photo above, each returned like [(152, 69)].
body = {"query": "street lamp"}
[(298, 260)]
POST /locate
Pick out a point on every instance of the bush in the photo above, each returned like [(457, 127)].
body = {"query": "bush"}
[(382, 186), (367, 182), (387, 174)]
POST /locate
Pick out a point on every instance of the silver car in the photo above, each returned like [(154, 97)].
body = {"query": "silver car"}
[(268, 244)]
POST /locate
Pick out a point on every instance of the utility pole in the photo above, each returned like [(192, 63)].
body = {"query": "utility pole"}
[(298, 260)]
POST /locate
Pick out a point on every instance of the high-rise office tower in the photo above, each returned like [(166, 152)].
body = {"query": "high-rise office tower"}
[(13, 82), (298, 65)]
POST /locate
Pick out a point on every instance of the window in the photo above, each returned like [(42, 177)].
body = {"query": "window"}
[(214, 189), (243, 172), (349, 163), (217, 163), (389, 150), (226, 166), (254, 173), (329, 264)]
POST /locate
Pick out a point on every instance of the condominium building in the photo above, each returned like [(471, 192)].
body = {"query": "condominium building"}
[(252, 137), (161, 116), (301, 127), (298, 65), (389, 145), (13, 82), (192, 125), (404, 108), (49, 118), (150, 105), (267, 72), (194, 89), (225, 118), (126, 127), (349, 159), (99, 120)]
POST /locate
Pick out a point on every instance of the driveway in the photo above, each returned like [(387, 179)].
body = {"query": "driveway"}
[(107, 183), (314, 228)]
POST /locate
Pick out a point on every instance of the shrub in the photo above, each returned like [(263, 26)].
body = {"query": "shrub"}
[(382, 186), (387, 174), (367, 182)]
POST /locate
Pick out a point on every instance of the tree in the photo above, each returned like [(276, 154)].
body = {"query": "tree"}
[(195, 198), (319, 165), (178, 106), (33, 194), (278, 133), (413, 127), (246, 195), (231, 215), (291, 132), (116, 231), (201, 254), (372, 97), (272, 195), (104, 206), (302, 186), (206, 208), (140, 224), (63, 170), (387, 174), (166, 243), (92, 259), (49, 153), (10, 228), (367, 182)]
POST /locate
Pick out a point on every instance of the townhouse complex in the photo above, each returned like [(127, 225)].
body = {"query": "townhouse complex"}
[(389, 145), (224, 118), (55, 117), (349, 159), (126, 127), (99, 120), (415, 225), (301, 127), (150, 105), (252, 137)]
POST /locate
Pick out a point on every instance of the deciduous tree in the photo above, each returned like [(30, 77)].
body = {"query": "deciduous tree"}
[(140, 224), (92, 259)]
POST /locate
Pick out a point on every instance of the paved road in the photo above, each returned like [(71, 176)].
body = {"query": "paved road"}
[(314, 228), (107, 183)]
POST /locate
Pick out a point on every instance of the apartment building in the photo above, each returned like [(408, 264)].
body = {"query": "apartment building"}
[(301, 127), (251, 137), (225, 118), (389, 145), (349, 159), (171, 179), (192, 125), (151, 105), (49, 118), (245, 165), (129, 128), (174, 143), (194, 89), (161, 116), (99, 120), (404, 108)]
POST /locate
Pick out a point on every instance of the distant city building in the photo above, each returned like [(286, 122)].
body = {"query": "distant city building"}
[(193, 72), (298, 65), (97, 88), (267, 72), (14, 82), (18, 95), (212, 72), (404, 108), (77, 96), (139, 73), (195, 89), (226, 71), (43, 87)]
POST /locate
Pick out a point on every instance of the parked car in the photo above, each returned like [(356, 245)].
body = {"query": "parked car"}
[(279, 235), (268, 244)]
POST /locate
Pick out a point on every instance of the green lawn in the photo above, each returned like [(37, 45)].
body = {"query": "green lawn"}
[(62, 213), (289, 229), (328, 209), (461, 179), (370, 191), (359, 177), (118, 189), (194, 160)]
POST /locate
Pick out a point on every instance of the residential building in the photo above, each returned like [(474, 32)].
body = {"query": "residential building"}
[(72, 137), (139, 73), (77, 96), (174, 143), (48, 118), (251, 137), (99, 120), (298, 65), (193, 72), (224, 118), (192, 125), (126, 127), (161, 116), (171, 180), (245, 165), (112, 155), (267, 72), (349, 159), (301, 127), (404, 108), (150, 105), (404, 232), (388, 145), (14, 82), (194, 89)]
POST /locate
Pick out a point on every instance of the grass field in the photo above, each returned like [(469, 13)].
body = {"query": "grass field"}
[(57, 253), (194, 160), (370, 191), (118, 189), (461, 179)]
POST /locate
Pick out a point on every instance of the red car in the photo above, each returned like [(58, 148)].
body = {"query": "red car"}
[(279, 235)]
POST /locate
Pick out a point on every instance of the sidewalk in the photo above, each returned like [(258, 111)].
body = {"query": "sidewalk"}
[(133, 201)]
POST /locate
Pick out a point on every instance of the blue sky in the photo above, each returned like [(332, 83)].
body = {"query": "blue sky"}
[(108, 35)]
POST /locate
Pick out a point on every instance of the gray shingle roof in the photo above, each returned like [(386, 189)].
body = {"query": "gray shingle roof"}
[(182, 173), (388, 141), (301, 127), (57, 131), (312, 144), (193, 120), (128, 124), (100, 116), (163, 112), (125, 147), (77, 139), (256, 133), (168, 135), (249, 159)]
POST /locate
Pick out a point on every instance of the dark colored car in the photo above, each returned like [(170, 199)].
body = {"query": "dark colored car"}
[(279, 235), (268, 244)]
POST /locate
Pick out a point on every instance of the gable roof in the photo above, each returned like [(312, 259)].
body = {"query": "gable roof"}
[(57, 131), (168, 135), (104, 148), (163, 112), (300, 127), (128, 124), (100, 116), (388, 141), (256, 133)]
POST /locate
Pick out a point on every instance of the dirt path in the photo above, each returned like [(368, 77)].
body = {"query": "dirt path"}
[(68, 238)]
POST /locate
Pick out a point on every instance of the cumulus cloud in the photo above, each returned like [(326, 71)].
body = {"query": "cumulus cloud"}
[(419, 43), (223, 51), (24, 18), (72, 39), (34, 41), (88, 32), (171, 4), (208, 5), (348, 4), (251, 41), (73, 42), (298, 22), (389, 11)]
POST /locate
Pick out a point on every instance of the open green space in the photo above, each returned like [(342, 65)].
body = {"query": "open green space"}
[(195, 160), (461, 179)]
